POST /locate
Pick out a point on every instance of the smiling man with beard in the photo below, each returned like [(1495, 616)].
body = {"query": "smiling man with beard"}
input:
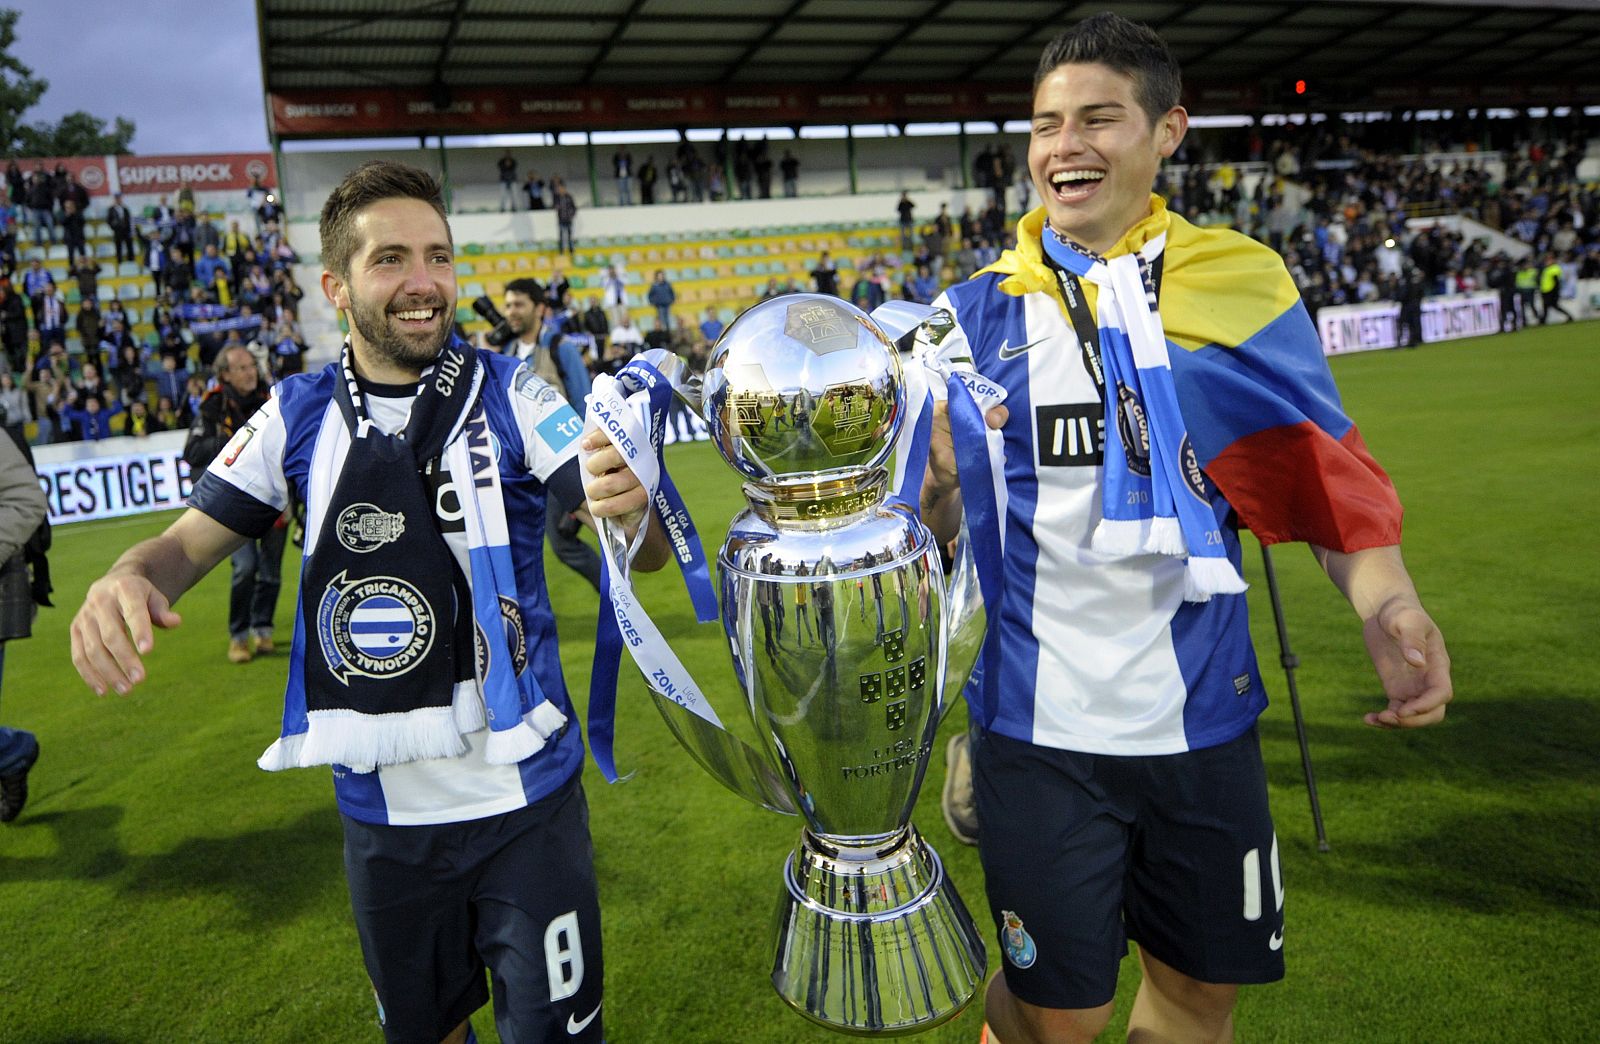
[(425, 668)]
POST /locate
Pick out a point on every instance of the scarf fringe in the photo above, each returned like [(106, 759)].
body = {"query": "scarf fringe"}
[(1204, 577), (525, 738), (361, 742), (1165, 537), (1123, 537), (466, 707)]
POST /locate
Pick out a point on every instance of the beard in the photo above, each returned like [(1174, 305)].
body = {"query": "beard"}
[(414, 350)]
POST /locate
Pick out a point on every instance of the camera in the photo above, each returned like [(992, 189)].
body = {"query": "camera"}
[(500, 327)]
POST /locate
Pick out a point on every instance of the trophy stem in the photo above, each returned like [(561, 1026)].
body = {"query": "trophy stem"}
[(873, 939)]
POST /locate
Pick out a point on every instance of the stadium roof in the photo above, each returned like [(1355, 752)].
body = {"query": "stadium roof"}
[(1236, 54)]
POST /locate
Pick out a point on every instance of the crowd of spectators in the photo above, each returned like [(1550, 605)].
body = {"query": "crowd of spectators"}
[(739, 169), (1335, 210), (1347, 240), (205, 289)]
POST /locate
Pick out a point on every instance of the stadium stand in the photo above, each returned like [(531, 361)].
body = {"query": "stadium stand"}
[(1353, 223)]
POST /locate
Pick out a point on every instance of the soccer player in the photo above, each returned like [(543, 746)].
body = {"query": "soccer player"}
[(424, 668), (1164, 383)]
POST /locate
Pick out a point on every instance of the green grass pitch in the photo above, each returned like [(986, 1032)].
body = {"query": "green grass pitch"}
[(159, 887)]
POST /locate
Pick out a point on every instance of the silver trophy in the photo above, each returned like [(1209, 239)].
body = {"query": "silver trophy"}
[(849, 646)]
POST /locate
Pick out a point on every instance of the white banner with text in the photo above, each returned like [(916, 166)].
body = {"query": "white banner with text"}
[(1366, 327), (112, 477)]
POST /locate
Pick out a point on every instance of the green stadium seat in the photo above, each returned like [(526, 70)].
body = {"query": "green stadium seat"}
[(106, 292), (464, 268), (472, 290), (130, 268), (130, 292), (56, 252), (472, 248)]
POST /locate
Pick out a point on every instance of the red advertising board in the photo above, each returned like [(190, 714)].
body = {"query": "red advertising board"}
[(141, 175), (510, 110), (367, 113)]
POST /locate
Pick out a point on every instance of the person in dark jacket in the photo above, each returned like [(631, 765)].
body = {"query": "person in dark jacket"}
[(257, 566), (22, 509)]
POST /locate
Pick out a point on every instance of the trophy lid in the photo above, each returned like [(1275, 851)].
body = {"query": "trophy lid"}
[(801, 387)]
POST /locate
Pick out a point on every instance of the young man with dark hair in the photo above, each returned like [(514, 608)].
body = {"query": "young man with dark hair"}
[(425, 668), (1164, 384)]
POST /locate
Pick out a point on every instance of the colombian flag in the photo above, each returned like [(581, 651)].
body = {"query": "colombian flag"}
[(1253, 385)]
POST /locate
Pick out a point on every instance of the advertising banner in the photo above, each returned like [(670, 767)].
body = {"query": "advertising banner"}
[(116, 476), (1366, 327), (155, 175)]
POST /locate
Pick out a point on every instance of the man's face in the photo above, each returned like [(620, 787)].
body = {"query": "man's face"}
[(523, 314), (401, 290), (239, 371), (1093, 154)]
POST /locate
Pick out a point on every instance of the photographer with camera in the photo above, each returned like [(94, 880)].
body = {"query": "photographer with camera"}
[(554, 356)]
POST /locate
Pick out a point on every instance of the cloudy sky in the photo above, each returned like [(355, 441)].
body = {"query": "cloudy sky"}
[(186, 72)]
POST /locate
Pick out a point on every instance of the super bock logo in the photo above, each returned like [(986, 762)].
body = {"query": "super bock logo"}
[(375, 627), (366, 527)]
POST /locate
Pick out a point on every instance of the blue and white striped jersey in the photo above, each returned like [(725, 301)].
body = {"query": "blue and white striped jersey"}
[(1098, 654), (299, 438)]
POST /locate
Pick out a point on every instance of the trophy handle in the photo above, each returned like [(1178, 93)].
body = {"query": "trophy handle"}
[(965, 621), (730, 760)]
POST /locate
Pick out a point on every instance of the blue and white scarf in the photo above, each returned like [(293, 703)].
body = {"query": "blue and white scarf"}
[(1154, 498), (372, 713)]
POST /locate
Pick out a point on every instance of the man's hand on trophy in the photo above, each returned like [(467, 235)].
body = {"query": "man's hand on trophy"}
[(941, 491), (614, 492)]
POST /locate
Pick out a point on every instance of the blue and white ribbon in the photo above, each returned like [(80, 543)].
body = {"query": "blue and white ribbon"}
[(631, 409), (981, 471)]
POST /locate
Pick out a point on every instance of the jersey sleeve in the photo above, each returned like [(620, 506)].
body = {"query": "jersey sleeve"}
[(244, 487), (550, 428)]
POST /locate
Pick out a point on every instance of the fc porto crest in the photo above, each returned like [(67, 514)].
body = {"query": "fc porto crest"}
[(1016, 941), (367, 527), (373, 627)]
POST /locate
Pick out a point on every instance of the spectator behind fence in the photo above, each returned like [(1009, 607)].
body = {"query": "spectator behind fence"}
[(661, 297)]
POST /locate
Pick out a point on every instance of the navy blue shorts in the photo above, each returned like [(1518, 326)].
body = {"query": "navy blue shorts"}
[(514, 894), (1083, 852)]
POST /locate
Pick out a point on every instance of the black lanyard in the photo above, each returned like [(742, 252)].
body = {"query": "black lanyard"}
[(1084, 325)]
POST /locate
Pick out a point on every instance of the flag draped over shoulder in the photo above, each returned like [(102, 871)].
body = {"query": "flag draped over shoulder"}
[(1252, 383)]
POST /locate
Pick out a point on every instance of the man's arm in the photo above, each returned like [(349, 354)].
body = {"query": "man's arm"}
[(1406, 646), (113, 628)]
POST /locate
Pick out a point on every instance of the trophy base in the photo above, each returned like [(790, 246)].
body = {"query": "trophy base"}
[(873, 940)]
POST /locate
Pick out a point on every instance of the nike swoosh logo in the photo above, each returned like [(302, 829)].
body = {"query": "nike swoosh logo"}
[(1276, 942), (1008, 352), (576, 1026)]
